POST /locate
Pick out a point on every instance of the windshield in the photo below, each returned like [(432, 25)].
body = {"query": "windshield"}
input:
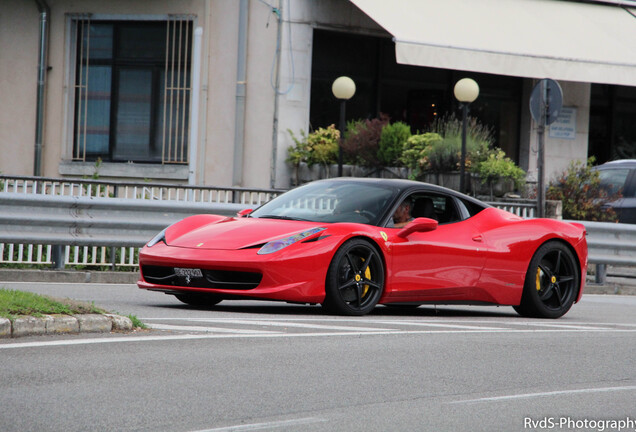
[(331, 201)]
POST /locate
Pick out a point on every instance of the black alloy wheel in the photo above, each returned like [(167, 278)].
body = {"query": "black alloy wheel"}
[(355, 279), (552, 282)]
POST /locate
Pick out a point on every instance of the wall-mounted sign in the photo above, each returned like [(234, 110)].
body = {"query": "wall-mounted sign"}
[(565, 125)]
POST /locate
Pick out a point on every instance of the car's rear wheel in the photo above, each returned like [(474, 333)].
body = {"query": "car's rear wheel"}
[(199, 300), (551, 284), (355, 279)]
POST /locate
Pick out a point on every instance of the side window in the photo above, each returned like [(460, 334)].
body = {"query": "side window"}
[(613, 180), (469, 207), (439, 207)]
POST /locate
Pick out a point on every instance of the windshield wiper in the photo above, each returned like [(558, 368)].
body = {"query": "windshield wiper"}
[(283, 218)]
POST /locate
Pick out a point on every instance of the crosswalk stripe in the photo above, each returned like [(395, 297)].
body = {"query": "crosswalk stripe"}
[(208, 329), (299, 325)]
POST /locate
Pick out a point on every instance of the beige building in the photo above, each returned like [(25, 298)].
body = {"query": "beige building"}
[(205, 91)]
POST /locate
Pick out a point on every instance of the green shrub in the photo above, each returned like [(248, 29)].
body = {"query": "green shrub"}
[(319, 147), (392, 141), (416, 152), (497, 166), (445, 156), (580, 192), (298, 153)]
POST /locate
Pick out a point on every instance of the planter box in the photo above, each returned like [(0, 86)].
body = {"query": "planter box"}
[(316, 172)]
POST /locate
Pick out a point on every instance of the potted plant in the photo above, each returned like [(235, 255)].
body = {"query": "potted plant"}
[(500, 173), (318, 147)]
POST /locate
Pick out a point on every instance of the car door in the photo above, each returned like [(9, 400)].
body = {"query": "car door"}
[(626, 208), (443, 263), (621, 179)]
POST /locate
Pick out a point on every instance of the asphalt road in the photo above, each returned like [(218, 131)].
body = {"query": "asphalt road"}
[(268, 366)]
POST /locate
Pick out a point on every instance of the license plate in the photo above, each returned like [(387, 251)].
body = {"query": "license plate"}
[(189, 272)]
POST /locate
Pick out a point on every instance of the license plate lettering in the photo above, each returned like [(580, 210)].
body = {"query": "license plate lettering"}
[(188, 272)]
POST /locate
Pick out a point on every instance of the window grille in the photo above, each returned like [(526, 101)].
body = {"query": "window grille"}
[(177, 91), (132, 89)]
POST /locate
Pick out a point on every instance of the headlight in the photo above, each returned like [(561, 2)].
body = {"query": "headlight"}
[(161, 237), (276, 245)]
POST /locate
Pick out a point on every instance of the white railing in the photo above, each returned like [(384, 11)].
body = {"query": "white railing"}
[(74, 256), (132, 190)]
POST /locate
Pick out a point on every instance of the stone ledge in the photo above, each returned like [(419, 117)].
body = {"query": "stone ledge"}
[(62, 324), (68, 276), (56, 324), (94, 323)]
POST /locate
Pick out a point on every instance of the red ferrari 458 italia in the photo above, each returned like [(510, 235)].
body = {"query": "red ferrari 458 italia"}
[(350, 244)]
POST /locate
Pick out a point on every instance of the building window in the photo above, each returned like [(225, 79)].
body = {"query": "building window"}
[(612, 128), (132, 90)]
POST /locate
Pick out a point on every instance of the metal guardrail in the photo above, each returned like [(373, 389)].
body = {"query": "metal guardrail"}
[(36, 222), (610, 243), (97, 222)]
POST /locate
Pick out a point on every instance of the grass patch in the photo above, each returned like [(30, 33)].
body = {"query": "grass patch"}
[(15, 303), (136, 322)]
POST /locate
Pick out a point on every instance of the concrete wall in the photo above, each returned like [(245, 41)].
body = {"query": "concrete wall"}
[(18, 81)]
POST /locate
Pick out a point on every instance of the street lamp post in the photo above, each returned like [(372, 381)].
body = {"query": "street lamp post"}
[(343, 88), (466, 91)]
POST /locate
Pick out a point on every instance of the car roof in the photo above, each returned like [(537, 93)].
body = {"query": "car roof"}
[(621, 163), (404, 186)]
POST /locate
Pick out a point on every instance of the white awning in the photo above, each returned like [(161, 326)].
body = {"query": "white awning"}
[(556, 39)]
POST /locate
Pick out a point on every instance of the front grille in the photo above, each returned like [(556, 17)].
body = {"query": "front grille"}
[(218, 279)]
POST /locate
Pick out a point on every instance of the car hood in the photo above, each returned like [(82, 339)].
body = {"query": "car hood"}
[(234, 233)]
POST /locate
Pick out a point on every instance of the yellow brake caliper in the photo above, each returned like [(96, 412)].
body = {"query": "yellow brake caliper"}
[(367, 274), (538, 279)]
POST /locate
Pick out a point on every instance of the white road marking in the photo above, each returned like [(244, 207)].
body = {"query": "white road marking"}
[(288, 335), (278, 323), (440, 325), (208, 329), (268, 425), (546, 394), (570, 326)]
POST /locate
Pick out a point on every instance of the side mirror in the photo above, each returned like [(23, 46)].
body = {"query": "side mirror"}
[(418, 225), (244, 212)]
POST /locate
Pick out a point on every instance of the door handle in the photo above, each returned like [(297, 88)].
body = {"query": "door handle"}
[(478, 238)]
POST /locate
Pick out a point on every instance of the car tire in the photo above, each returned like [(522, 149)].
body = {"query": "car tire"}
[(199, 300), (355, 279), (551, 283)]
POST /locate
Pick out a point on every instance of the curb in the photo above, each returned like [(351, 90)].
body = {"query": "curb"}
[(63, 324)]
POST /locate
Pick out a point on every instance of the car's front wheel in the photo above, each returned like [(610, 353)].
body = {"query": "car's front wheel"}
[(355, 279), (552, 282), (199, 300)]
